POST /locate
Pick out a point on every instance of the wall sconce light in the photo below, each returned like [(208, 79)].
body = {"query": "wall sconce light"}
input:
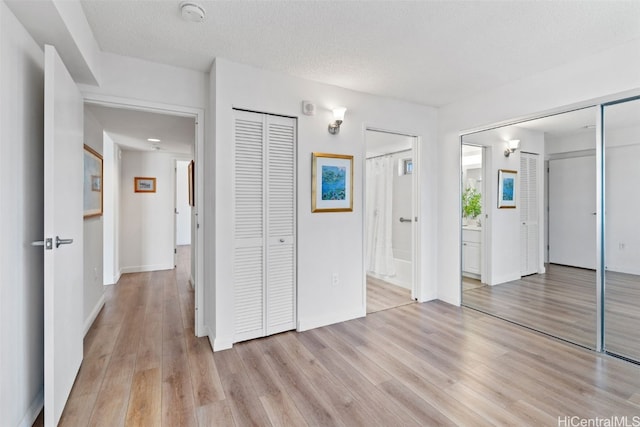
[(338, 117), (512, 146)]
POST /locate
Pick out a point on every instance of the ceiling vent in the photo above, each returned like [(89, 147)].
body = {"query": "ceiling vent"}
[(192, 12)]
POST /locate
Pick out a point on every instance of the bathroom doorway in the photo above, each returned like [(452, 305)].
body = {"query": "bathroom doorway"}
[(474, 259), (390, 220)]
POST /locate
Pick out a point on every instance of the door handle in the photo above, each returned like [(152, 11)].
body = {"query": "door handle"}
[(47, 243), (281, 240), (60, 241)]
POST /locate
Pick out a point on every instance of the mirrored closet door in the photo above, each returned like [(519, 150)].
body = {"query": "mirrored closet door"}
[(529, 246), (621, 137)]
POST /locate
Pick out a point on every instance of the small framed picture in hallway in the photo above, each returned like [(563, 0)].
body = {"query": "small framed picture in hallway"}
[(144, 184), (332, 183), (506, 188), (92, 193)]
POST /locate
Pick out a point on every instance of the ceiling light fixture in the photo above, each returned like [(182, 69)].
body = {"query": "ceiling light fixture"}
[(153, 140), (192, 12), (338, 118)]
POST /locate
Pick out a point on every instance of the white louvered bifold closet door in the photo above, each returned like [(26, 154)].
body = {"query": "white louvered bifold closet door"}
[(264, 224), (281, 210), (529, 236)]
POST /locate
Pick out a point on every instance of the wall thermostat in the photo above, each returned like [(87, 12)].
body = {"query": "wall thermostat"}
[(308, 108)]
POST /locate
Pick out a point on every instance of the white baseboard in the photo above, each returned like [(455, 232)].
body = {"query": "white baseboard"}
[(317, 322), (221, 343), (94, 313), (114, 280), (504, 279), (33, 411), (145, 268), (428, 297)]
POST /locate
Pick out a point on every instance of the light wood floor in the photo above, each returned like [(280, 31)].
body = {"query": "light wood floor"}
[(419, 364), (382, 295), (622, 314), (561, 302)]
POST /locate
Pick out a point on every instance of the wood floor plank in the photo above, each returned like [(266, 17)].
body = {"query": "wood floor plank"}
[(177, 391), (145, 400), (375, 401), (349, 409), (111, 404), (240, 395), (77, 411), (281, 410), (205, 380), (370, 370), (215, 414), (422, 412), (315, 409)]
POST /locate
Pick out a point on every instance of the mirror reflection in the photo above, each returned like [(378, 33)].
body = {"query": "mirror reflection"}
[(529, 224), (622, 237)]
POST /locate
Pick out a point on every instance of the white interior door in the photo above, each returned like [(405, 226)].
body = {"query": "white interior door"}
[(183, 210), (264, 268), (529, 235), (572, 208), (63, 189)]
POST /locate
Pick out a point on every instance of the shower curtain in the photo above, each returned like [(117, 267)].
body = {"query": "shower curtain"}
[(379, 256)]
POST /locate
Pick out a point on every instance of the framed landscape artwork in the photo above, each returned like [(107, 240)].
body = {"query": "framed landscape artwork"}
[(507, 188), (92, 188), (331, 183), (144, 184)]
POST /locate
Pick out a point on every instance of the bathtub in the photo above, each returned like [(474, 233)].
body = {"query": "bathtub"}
[(402, 277)]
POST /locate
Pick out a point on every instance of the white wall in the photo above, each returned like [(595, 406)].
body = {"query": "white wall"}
[(327, 242), (606, 75), (146, 219), (93, 237), (21, 222), (136, 79), (622, 155)]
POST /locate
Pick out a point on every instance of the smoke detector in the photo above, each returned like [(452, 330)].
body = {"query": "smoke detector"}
[(192, 12)]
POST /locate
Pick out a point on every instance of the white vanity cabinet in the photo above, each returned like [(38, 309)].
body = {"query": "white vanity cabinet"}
[(471, 252)]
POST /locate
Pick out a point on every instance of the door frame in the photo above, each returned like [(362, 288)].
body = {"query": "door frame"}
[(417, 293), (198, 115), (487, 202)]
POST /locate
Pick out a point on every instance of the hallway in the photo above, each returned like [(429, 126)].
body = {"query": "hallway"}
[(143, 365)]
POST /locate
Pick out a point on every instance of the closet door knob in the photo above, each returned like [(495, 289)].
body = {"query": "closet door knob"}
[(281, 240)]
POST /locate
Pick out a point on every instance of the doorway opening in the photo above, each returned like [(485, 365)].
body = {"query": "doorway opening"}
[(147, 140), (390, 220), (474, 217)]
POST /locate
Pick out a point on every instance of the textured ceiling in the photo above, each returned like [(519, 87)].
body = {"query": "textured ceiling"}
[(432, 53), (130, 129)]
